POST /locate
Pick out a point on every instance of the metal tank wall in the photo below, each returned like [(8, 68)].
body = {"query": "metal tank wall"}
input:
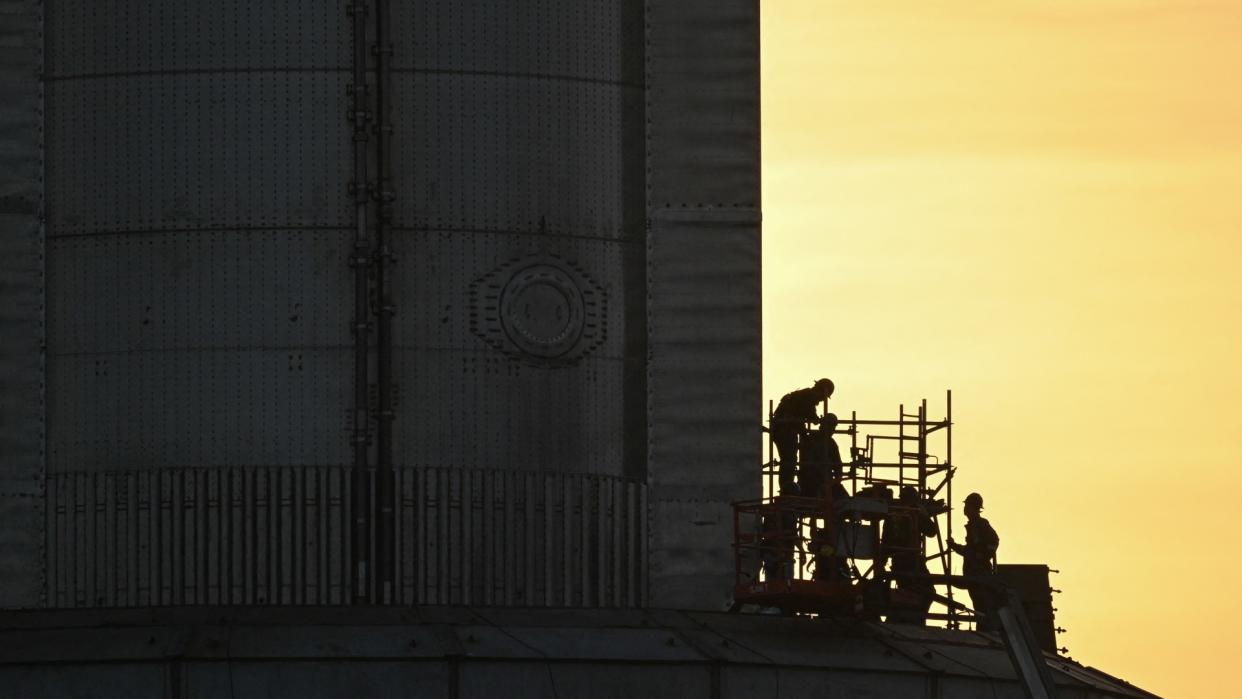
[(22, 332), (703, 247), (199, 299), (569, 191)]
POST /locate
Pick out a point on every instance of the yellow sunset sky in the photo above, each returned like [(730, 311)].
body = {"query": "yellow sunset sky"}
[(1037, 204)]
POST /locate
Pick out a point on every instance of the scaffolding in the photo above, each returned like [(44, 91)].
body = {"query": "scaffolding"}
[(825, 552)]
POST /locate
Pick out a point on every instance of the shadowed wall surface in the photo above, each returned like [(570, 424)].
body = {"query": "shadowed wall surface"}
[(212, 211)]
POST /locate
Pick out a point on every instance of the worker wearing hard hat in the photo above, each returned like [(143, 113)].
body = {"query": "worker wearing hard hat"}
[(819, 460), (979, 560), (789, 422)]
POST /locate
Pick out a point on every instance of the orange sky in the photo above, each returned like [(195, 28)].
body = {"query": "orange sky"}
[(1038, 204)]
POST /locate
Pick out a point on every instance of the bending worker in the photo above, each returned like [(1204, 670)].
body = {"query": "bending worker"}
[(789, 422), (979, 560)]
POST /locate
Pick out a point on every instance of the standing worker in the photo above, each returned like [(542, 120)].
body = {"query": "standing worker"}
[(789, 422), (904, 526), (819, 460), (979, 560)]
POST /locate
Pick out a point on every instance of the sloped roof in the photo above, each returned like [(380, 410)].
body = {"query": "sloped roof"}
[(745, 652)]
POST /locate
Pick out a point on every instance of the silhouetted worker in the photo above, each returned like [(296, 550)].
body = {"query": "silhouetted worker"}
[(789, 422), (776, 546), (819, 458), (979, 560), (901, 544), (819, 476)]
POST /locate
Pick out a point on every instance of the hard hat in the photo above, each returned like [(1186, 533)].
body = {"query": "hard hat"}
[(826, 386), (974, 499)]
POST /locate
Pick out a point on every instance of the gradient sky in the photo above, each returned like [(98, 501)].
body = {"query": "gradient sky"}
[(1038, 205)]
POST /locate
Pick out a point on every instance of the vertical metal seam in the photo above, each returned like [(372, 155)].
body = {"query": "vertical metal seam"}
[(489, 530), (361, 261), (642, 563), (53, 546), (112, 536), (41, 208), (420, 543), (385, 553)]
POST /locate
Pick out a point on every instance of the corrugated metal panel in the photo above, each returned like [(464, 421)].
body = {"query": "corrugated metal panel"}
[(546, 551), (704, 288), (264, 536), (21, 305), (197, 537)]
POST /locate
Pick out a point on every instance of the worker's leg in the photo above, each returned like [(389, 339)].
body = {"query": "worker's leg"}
[(786, 441), (981, 601)]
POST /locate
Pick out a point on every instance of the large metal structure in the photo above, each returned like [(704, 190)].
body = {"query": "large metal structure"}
[(377, 301), (435, 310)]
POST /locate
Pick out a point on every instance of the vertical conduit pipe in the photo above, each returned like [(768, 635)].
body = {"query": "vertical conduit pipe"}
[(385, 531), (361, 262)]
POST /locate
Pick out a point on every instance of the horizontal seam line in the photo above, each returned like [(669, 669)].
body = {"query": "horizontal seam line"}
[(344, 228), (560, 77), (191, 71), (220, 348), (496, 231), (519, 74)]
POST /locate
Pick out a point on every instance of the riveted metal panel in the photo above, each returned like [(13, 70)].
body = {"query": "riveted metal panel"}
[(93, 37), (703, 100), (552, 38), (518, 135), (516, 117), (200, 307), (704, 287), (511, 154), (199, 348), (461, 401), (22, 304), (185, 114), (154, 152)]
